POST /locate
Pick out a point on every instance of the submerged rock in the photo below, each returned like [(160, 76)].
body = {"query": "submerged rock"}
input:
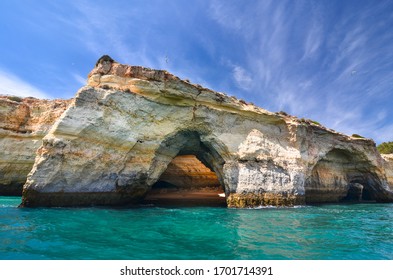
[(123, 129)]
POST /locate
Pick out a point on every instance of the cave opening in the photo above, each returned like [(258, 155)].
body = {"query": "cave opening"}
[(355, 192), (190, 173), (342, 176), (359, 190)]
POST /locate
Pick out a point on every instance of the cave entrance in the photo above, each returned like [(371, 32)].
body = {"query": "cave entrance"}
[(342, 176), (190, 173), (187, 182), (355, 192), (360, 190)]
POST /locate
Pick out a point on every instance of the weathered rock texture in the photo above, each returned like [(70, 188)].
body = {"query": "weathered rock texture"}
[(124, 128), (186, 181), (23, 124), (186, 171), (389, 169)]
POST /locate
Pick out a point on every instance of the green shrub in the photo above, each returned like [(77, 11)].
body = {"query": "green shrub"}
[(309, 121), (385, 148), (283, 113), (15, 98), (357, 136)]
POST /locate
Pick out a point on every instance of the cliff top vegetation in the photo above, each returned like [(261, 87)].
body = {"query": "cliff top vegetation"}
[(385, 148)]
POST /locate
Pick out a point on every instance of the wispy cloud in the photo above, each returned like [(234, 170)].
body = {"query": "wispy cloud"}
[(103, 28), (11, 84), (242, 78), (313, 39), (323, 66), (104, 31), (81, 80), (383, 134), (224, 15), (331, 62)]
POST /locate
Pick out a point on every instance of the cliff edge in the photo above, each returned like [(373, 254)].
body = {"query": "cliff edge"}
[(23, 124), (114, 143)]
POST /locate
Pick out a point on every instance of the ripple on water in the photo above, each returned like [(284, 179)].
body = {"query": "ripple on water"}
[(358, 231)]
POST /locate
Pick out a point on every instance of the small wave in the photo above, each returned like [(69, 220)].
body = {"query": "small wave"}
[(279, 207), (9, 201), (11, 205)]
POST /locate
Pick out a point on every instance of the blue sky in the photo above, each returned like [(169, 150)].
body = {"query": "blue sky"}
[(330, 61)]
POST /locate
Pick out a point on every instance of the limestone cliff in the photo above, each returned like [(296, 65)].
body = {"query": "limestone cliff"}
[(23, 124), (389, 168), (123, 129)]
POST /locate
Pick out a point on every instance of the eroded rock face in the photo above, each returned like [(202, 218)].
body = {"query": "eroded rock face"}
[(125, 127), (187, 172), (23, 124), (388, 163), (343, 175), (186, 181)]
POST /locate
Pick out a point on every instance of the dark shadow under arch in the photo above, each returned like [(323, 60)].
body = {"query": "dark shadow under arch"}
[(343, 176), (183, 152)]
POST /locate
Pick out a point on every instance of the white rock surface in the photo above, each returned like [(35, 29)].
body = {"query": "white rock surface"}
[(23, 124), (128, 123)]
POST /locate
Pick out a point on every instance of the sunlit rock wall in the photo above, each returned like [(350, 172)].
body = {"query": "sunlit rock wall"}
[(23, 124), (389, 169), (125, 127)]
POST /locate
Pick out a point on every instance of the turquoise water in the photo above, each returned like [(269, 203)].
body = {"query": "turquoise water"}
[(357, 231)]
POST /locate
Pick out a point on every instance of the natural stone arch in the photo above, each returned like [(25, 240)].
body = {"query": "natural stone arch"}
[(188, 143), (121, 131), (343, 175)]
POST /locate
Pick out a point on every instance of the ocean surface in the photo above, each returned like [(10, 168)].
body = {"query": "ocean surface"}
[(352, 231)]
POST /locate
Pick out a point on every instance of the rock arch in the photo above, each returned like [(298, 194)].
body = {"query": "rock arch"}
[(192, 146), (123, 129), (343, 175)]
